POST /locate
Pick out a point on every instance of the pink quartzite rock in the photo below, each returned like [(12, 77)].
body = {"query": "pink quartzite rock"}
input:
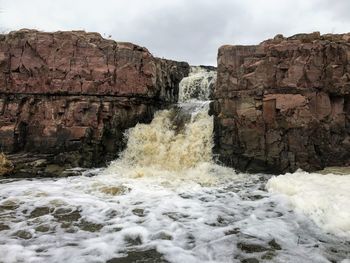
[(73, 94), (78, 63), (287, 102)]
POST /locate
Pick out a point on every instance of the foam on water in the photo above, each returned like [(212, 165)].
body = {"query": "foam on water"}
[(94, 219), (165, 200), (323, 197), (198, 85), (174, 147), (169, 144)]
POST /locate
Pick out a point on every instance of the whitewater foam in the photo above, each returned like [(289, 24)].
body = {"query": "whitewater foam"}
[(325, 198), (166, 200), (199, 85), (186, 223), (175, 146)]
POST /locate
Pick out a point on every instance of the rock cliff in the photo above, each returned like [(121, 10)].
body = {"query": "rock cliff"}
[(74, 93), (284, 104)]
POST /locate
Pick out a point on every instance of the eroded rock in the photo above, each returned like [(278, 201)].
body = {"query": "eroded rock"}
[(73, 94), (284, 104)]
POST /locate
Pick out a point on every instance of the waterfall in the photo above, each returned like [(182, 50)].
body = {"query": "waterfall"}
[(199, 85), (165, 200), (174, 140), (178, 139)]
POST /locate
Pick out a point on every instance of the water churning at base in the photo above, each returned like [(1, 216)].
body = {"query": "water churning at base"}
[(177, 139), (174, 140), (165, 200)]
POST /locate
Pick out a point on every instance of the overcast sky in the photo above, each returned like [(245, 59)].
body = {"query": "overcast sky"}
[(188, 30)]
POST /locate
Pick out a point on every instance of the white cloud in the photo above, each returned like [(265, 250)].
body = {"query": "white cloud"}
[(190, 30)]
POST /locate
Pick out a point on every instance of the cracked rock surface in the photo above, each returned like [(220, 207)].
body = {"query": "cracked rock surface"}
[(284, 104), (73, 94)]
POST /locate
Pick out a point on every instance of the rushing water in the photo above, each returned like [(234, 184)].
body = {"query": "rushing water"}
[(165, 200), (198, 85)]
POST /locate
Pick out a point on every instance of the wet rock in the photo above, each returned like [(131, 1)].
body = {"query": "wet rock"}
[(139, 212), (89, 226), (284, 104), (221, 220), (132, 240), (274, 245), (249, 260), (176, 216), (268, 255), (255, 197), (23, 234), (42, 228), (37, 165), (251, 248), (234, 231), (4, 227), (68, 228), (114, 190), (116, 229), (111, 213), (40, 211), (148, 256), (54, 169), (335, 170), (9, 205), (191, 241), (163, 236), (67, 215)]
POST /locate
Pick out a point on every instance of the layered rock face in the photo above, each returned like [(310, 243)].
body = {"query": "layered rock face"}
[(284, 104), (75, 93)]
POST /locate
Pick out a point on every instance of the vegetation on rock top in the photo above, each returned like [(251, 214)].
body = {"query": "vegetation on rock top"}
[(6, 165)]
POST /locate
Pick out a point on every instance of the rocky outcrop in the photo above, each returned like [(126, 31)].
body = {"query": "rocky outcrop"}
[(73, 94), (284, 104)]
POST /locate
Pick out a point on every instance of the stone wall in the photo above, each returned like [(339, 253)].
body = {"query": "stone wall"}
[(284, 104), (74, 93)]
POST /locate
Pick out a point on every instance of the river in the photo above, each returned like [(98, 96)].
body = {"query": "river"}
[(167, 200)]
